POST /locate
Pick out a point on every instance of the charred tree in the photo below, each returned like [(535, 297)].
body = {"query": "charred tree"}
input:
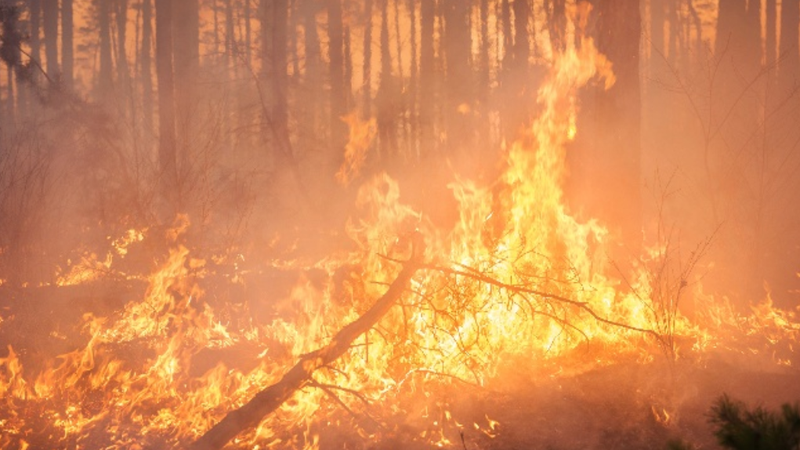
[(280, 80), (300, 375), (248, 33), (146, 66), (67, 44), (186, 60), (605, 170), (105, 77), (789, 67), (388, 94), (413, 116), (427, 76), (458, 44), (35, 23), (166, 99), (338, 91), (557, 23), (50, 21), (121, 14), (367, 68), (313, 68)]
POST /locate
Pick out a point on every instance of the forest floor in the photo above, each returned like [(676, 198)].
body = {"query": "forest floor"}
[(620, 405)]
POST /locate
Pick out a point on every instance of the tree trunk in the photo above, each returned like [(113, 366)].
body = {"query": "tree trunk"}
[(271, 398), (338, 93), (387, 98), (427, 75), (558, 24), (105, 83), (166, 98), (412, 83), (123, 75), (248, 38), (35, 18), (266, 15), (458, 46), (313, 74), (790, 52), (50, 20), (280, 79), (522, 50), (605, 168), (146, 67), (230, 37), (67, 44), (186, 59), (367, 68)]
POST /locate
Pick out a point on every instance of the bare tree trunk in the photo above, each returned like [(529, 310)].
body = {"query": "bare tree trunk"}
[(348, 69), (105, 83), (427, 75), (248, 38), (50, 20), (166, 98), (522, 49), (413, 108), (35, 19), (67, 44), (146, 65), (266, 16), (558, 24), (605, 168), (123, 75), (367, 74), (387, 95), (280, 79), (186, 59), (313, 74), (484, 82), (771, 42), (790, 51), (458, 46), (338, 93), (230, 37)]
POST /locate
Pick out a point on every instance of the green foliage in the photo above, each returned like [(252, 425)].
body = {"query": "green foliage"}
[(740, 428)]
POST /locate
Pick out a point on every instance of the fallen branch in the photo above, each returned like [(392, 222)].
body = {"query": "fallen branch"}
[(271, 398)]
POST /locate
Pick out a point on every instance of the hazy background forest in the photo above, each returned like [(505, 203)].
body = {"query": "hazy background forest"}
[(119, 114)]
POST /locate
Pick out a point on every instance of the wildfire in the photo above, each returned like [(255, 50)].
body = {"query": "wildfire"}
[(517, 279)]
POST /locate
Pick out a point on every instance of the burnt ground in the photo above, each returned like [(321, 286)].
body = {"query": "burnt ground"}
[(622, 406), (626, 405)]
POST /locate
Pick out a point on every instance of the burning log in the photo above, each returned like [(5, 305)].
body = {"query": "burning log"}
[(271, 398)]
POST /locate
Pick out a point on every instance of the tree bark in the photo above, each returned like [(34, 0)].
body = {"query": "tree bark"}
[(338, 92), (427, 75), (458, 89), (186, 59), (387, 93), (789, 50), (122, 55), (67, 44), (50, 20), (605, 167), (105, 82), (271, 398), (367, 68), (146, 66), (166, 97), (35, 19)]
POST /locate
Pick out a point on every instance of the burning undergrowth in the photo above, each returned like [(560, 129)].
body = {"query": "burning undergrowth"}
[(517, 292)]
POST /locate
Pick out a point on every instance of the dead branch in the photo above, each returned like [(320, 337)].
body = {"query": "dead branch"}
[(526, 290), (271, 398)]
